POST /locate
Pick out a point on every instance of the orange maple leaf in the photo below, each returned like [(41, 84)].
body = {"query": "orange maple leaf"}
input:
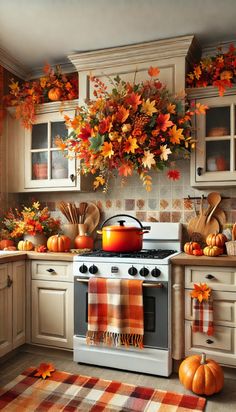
[(197, 71), (226, 75), (149, 107), (122, 114), (153, 71), (133, 100), (107, 149), (201, 292), (176, 135), (44, 370), (130, 145), (171, 108), (201, 108), (163, 122), (99, 181), (125, 169)]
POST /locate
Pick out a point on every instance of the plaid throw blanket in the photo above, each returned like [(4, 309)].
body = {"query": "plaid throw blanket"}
[(203, 316), (115, 312)]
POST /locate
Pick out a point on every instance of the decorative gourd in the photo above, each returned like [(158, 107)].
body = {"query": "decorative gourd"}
[(197, 252), (216, 239), (84, 242), (54, 94), (58, 243), (25, 245), (212, 251), (200, 375), (6, 243), (189, 247)]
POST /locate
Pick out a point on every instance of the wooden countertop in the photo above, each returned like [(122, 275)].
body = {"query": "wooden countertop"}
[(189, 260)]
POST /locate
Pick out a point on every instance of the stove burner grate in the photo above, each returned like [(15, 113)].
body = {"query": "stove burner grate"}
[(144, 253)]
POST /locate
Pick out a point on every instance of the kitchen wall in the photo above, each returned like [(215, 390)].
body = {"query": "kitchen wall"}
[(167, 202)]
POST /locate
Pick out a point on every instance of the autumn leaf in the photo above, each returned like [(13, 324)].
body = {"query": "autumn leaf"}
[(163, 122), (201, 292), (148, 159), (98, 181), (149, 107), (197, 72), (153, 71), (104, 126), (107, 150), (176, 135), (126, 169), (130, 145), (165, 151), (44, 370), (60, 143), (173, 174), (122, 114), (14, 86), (226, 75), (201, 108), (133, 100), (171, 108), (96, 142)]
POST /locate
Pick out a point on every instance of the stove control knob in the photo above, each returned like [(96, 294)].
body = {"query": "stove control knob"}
[(144, 272), (83, 269), (93, 269), (155, 272), (132, 271)]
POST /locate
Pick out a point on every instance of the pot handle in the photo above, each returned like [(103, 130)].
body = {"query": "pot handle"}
[(140, 224)]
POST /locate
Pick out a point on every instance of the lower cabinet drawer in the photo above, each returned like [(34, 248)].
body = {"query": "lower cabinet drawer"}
[(221, 346), (51, 270)]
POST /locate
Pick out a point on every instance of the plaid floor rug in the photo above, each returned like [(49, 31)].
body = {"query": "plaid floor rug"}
[(66, 392)]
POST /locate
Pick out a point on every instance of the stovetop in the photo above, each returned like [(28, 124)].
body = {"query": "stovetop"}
[(142, 254)]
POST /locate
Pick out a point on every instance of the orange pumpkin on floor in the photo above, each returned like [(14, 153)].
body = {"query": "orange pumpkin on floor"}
[(58, 243), (200, 375)]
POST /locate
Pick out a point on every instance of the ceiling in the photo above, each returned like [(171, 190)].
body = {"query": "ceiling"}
[(37, 31)]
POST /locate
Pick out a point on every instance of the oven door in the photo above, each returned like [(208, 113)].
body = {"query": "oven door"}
[(155, 302)]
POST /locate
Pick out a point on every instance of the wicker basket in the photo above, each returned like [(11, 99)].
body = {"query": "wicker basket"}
[(231, 248)]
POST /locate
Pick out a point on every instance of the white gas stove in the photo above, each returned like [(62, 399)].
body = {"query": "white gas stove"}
[(152, 265)]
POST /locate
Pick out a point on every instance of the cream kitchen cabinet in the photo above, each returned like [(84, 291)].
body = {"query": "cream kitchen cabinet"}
[(35, 162), (52, 303), (222, 345), (12, 306), (213, 162)]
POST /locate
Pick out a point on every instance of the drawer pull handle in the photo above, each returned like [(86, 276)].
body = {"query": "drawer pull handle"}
[(51, 270), (209, 276), (9, 281), (209, 341)]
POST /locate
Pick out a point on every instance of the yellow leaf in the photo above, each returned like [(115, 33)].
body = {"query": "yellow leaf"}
[(149, 107), (99, 181), (130, 145), (148, 159), (107, 150), (176, 135)]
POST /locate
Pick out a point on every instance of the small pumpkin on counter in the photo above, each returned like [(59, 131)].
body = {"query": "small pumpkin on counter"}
[(197, 252), (189, 247), (6, 243), (84, 242), (200, 375), (212, 251), (25, 245), (58, 243), (216, 239)]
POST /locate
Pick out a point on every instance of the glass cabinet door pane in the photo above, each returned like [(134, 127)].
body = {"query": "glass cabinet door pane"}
[(218, 121), (217, 155), (59, 165), (40, 136), (58, 129), (39, 166)]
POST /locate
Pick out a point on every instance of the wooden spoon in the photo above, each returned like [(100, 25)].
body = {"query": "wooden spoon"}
[(82, 211), (215, 200)]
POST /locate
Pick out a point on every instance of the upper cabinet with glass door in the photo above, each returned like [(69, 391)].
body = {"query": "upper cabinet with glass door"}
[(46, 166), (213, 161)]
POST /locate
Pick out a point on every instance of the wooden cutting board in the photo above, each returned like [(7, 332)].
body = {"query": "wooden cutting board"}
[(199, 224), (92, 217), (220, 215)]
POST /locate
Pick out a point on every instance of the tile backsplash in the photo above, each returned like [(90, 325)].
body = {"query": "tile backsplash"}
[(167, 202)]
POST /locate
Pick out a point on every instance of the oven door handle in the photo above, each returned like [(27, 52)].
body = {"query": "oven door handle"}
[(158, 285)]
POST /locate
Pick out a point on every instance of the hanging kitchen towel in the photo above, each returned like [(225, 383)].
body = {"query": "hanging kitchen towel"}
[(115, 312), (203, 316)]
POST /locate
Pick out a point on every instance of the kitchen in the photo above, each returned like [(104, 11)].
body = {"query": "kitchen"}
[(169, 201)]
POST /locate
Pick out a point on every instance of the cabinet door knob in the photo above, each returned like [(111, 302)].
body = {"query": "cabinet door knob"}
[(209, 341), (51, 270), (199, 171), (9, 281), (209, 276), (72, 177)]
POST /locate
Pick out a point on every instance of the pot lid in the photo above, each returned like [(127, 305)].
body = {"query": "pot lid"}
[(122, 228)]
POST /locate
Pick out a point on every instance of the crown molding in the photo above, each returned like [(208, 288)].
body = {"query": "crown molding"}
[(136, 53), (209, 91), (12, 65), (66, 67)]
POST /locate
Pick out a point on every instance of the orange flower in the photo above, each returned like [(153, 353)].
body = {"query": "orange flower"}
[(163, 122), (130, 145), (201, 292), (153, 71), (44, 370)]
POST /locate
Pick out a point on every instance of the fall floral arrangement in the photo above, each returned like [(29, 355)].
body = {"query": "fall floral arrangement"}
[(218, 71), (30, 220), (132, 128), (201, 292), (54, 85)]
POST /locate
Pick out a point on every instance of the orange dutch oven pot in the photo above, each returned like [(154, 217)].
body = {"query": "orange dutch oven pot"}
[(121, 238)]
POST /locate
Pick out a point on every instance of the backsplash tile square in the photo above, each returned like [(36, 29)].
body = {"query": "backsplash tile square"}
[(129, 204)]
